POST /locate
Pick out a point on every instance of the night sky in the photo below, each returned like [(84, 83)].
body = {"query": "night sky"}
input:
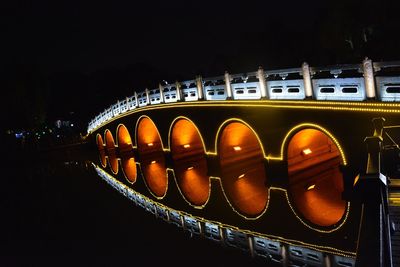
[(60, 57)]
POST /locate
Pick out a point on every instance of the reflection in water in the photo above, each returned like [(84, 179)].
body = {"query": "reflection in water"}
[(190, 164), (111, 152), (58, 212), (125, 148), (315, 180), (242, 168), (152, 159)]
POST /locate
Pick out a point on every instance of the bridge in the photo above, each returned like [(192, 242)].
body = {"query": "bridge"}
[(285, 164)]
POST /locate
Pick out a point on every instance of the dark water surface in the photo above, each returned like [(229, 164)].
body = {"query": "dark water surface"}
[(57, 212)]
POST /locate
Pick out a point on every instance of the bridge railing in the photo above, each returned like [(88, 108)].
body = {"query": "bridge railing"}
[(358, 82)]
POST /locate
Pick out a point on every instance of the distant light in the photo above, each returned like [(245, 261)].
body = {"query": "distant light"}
[(19, 135), (186, 146), (153, 162), (150, 144), (190, 168), (241, 176), (306, 151), (72, 125), (58, 135), (310, 187), (237, 148), (44, 132)]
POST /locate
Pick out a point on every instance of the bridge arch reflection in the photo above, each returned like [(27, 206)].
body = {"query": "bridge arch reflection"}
[(315, 183), (125, 148), (313, 156), (102, 152), (190, 162), (243, 174), (152, 159), (111, 151)]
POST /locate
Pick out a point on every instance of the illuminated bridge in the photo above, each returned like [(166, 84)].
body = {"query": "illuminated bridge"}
[(286, 164)]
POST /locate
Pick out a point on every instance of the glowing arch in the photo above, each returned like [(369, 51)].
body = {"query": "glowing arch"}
[(111, 151), (315, 185), (102, 152), (243, 174), (152, 160), (125, 147), (190, 163)]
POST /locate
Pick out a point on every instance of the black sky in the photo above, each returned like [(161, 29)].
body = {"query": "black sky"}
[(54, 50)]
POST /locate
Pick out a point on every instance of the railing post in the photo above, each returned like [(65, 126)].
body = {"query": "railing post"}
[(262, 82), (178, 91), (199, 85), (147, 96), (374, 243), (369, 81), (228, 86), (161, 88), (307, 80), (136, 100)]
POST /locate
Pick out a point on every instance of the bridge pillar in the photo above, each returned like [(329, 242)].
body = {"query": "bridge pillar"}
[(228, 86), (307, 80), (369, 80), (199, 85), (262, 82), (374, 243), (161, 88)]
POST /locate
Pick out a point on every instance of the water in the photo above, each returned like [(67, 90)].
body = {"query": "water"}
[(58, 212)]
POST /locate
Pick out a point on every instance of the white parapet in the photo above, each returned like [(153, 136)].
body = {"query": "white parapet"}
[(369, 78), (307, 80), (228, 86)]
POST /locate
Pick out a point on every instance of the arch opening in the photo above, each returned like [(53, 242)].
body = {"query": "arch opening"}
[(152, 160), (102, 152), (315, 179), (125, 147), (242, 168), (190, 163), (111, 152)]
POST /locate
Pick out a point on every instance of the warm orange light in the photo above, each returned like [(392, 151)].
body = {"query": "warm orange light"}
[(190, 162), (249, 195), (111, 153), (323, 204), (150, 150), (311, 187), (237, 148)]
